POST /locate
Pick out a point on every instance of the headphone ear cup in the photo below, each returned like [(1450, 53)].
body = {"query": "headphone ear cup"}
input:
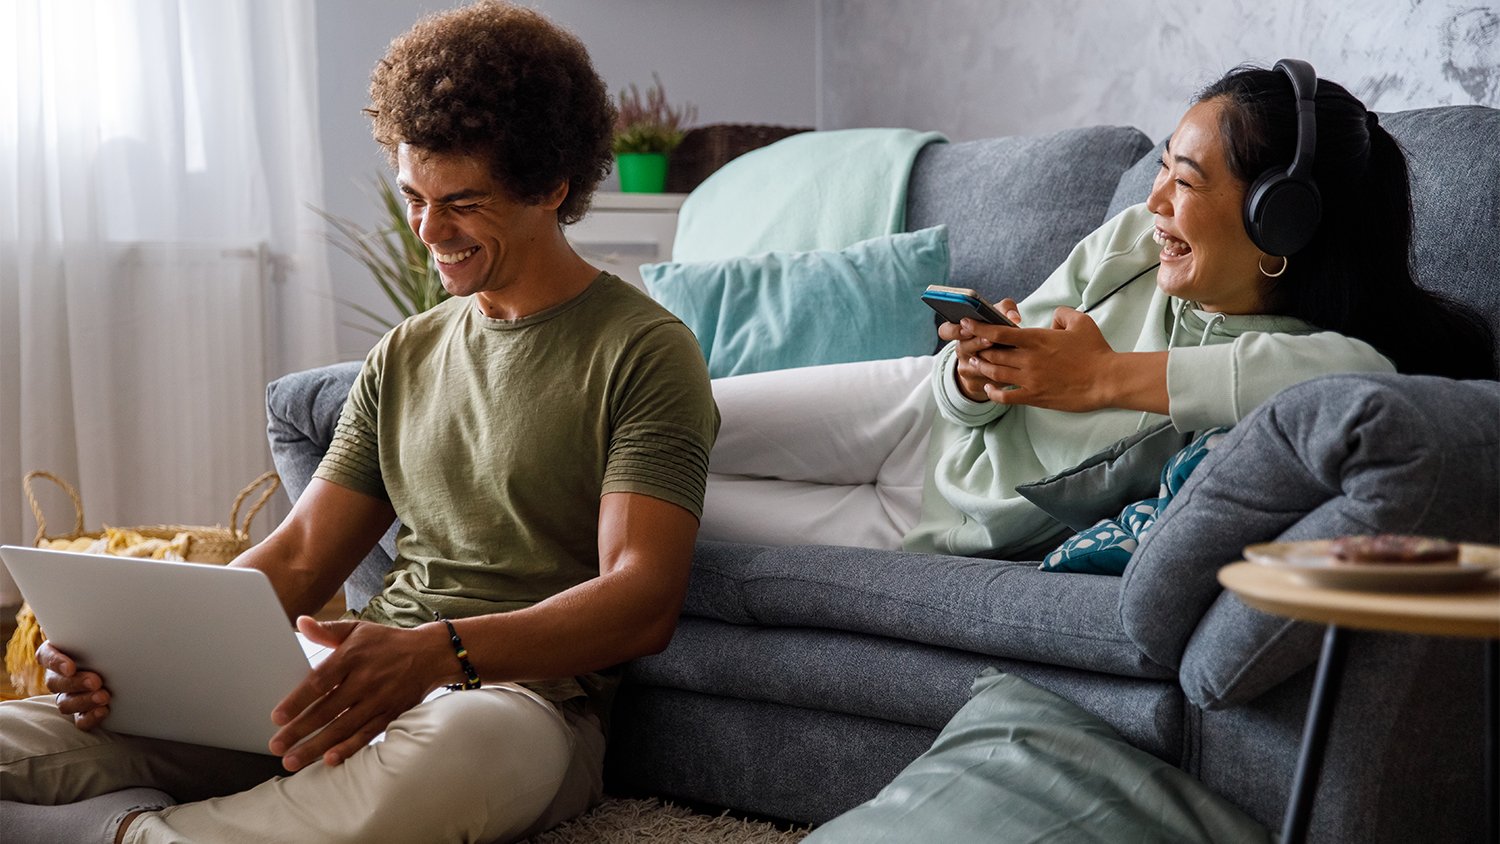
[(1281, 213)]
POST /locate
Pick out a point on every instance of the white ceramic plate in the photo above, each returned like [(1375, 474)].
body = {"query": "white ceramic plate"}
[(1313, 563)]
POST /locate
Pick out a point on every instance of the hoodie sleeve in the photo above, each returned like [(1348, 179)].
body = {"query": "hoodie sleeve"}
[(952, 404), (1217, 385), (1098, 263)]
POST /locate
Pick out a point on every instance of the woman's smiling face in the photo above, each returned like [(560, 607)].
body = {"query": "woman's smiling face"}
[(1206, 256)]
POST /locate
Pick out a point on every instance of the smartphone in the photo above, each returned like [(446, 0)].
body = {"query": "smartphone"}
[(955, 303)]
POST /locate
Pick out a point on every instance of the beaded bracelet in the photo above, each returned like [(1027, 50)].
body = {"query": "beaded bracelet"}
[(472, 681)]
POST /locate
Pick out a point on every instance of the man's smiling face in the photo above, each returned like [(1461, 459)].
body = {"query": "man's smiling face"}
[(476, 230)]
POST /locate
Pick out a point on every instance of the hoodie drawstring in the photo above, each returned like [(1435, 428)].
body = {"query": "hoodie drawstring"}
[(1208, 329)]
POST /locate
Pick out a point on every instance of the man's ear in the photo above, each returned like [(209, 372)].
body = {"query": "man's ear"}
[(553, 200)]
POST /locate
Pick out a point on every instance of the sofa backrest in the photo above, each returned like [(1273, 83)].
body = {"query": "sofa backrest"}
[(1453, 153), (1016, 206)]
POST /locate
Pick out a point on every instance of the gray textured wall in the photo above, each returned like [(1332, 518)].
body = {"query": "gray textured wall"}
[(980, 68)]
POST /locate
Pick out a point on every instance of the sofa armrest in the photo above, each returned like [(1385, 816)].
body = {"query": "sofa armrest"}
[(302, 410), (1337, 455)]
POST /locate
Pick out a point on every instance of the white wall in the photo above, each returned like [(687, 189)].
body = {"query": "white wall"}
[(741, 62), (981, 68)]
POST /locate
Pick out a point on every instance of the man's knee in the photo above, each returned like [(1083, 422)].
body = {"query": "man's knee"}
[(506, 734), (485, 763)]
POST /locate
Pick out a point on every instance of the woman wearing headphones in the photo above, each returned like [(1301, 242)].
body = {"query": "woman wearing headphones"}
[(1278, 238)]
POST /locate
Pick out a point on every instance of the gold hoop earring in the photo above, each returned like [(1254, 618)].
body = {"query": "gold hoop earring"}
[(1260, 263)]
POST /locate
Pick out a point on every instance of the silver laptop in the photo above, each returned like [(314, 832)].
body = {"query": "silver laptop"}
[(189, 652)]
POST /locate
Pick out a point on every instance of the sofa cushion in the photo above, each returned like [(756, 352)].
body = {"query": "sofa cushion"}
[(1106, 547), (897, 681), (1103, 483), (1336, 455), (1135, 184), (781, 310), (1455, 179), (1015, 207), (1000, 609), (301, 410)]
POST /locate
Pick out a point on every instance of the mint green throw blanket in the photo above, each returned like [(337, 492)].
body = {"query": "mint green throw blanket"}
[(1019, 764), (816, 190)]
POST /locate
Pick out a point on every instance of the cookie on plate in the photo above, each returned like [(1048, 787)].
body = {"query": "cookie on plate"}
[(1394, 548)]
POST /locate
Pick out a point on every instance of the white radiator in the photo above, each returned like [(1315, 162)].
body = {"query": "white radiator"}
[(169, 375)]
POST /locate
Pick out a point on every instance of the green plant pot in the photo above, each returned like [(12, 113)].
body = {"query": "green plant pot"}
[(642, 172)]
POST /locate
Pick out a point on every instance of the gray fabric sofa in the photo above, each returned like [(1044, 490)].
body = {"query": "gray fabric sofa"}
[(803, 678)]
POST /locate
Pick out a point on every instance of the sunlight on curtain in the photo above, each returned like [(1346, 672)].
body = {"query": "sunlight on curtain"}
[(158, 259)]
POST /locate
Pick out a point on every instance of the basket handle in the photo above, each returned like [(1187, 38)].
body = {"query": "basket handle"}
[(36, 509), (272, 482)]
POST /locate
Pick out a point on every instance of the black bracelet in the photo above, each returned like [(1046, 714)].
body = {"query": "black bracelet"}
[(472, 681)]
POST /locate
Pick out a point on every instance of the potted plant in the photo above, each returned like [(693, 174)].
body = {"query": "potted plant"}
[(397, 260), (646, 130)]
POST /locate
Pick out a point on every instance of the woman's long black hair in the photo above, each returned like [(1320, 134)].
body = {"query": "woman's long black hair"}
[(1356, 275)]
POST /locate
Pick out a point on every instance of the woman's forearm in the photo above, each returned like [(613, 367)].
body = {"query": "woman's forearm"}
[(1136, 381)]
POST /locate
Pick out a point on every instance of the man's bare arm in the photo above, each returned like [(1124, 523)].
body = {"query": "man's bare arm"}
[(376, 672), (330, 529)]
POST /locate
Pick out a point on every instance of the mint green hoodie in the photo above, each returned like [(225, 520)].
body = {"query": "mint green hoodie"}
[(1219, 368)]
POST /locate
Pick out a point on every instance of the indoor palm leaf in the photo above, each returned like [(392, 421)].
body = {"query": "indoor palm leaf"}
[(396, 258)]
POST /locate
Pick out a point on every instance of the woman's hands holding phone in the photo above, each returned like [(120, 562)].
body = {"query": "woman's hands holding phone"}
[(1069, 366), (971, 344)]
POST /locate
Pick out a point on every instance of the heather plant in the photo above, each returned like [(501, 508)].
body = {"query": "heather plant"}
[(649, 123)]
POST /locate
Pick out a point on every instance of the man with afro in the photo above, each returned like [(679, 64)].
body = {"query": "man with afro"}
[(543, 438)]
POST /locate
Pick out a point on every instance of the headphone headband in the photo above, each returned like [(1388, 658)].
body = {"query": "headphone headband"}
[(1305, 87), (1282, 206)]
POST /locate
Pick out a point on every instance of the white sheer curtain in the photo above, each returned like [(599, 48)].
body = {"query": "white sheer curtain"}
[(158, 258)]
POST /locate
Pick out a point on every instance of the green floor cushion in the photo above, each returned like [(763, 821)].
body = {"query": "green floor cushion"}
[(1019, 764)]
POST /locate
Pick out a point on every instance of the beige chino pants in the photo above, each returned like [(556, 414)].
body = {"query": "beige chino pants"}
[(493, 764)]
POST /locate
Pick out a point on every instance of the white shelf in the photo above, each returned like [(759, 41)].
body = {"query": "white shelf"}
[(638, 201), (624, 230)]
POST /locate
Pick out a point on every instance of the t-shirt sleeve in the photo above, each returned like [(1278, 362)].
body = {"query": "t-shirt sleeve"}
[(353, 457), (664, 420)]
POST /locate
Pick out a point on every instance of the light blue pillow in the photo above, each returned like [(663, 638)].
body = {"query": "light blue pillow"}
[(782, 310)]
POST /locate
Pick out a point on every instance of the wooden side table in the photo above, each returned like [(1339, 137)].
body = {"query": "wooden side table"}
[(1471, 613)]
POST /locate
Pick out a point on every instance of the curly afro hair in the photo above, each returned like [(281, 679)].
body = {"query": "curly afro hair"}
[(504, 83)]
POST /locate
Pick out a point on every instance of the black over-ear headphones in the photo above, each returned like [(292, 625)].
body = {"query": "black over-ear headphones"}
[(1282, 207)]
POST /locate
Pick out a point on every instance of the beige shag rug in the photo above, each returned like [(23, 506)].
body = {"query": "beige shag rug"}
[(626, 821)]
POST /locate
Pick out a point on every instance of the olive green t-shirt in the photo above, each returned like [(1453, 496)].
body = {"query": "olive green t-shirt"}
[(494, 440)]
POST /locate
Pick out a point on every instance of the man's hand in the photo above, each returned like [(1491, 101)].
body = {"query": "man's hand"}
[(970, 379), (374, 674), (80, 694)]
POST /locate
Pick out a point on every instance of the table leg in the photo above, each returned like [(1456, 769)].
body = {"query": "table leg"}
[(1492, 736), (1315, 736)]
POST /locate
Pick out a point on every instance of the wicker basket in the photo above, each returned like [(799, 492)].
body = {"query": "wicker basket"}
[(194, 543), (705, 149), (216, 544)]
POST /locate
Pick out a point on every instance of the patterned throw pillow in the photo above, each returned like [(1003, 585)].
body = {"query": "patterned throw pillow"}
[(1106, 547)]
